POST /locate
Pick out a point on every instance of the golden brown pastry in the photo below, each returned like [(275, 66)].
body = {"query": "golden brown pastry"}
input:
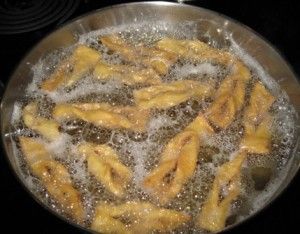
[(103, 114), (194, 50), (225, 189), (72, 69), (126, 74), (136, 217), (159, 60), (229, 97), (54, 176), (103, 163), (178, 162), (257, 121), (260, 102), (257, 139), (166, 95), (117, 44), (46, 127)]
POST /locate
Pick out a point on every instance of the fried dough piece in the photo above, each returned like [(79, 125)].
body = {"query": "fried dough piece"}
[(126, 74), (103, 114), (260, 102), (215, 212), (166, 95), (177, 165), (159, 60), (54, 176), (46, 127), (194, 50), (200, 126), (72, 69), (140, 217), (257, 139), (257, 121), (103, 163), (178, 161), (230, 96), (117, 44)]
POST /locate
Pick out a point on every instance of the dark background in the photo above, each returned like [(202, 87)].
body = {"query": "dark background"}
[(277, 21)]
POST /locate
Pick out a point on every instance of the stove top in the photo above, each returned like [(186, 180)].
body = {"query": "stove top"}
[(27, 16), (24, 22)]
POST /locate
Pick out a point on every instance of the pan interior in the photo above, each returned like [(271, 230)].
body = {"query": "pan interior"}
[(261, 175)]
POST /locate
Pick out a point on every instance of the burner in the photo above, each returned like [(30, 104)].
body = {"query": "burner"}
[(19, 16)]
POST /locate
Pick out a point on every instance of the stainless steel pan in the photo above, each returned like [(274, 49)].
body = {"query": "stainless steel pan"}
[(172, 13)]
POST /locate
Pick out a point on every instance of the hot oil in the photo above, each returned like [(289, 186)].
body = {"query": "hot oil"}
[(141, 151)]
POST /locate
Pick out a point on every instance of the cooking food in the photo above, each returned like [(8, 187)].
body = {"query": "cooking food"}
[(257, 120), (72, 69), (159, 60), (103, 114), (103, 163), (166, 95), (46, 127), (160, 133), (178, 161), (127, 74), (215, 209), (223, 110), (54, 176), (145, 218)]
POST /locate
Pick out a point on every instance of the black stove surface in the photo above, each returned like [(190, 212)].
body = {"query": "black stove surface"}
[(23, 23)]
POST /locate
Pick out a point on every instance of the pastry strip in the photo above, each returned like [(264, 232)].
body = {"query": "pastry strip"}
[(72, 69), (126, 74), (166, 95), (105, 115), (257, 121), (103, 163), (217, 205), (46, 127), (178, 161), (140, 217), (155, 58), (54, 176), (194, 50), (230, 96)]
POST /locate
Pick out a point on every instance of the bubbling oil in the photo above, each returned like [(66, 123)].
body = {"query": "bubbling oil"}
[(141, 151)]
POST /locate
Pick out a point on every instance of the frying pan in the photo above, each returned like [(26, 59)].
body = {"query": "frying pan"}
[(126, 14)]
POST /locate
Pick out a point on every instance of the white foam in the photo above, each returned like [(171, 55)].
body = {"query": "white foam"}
[(144, 29), (255, 66), (284, 122), (222, 141), (38, 71), (31, 182), (59, 146), (180, 72), (139, 152), (210, 167), (78, 168), (84, 87), (158, 122), (16, 113), (93, 35)]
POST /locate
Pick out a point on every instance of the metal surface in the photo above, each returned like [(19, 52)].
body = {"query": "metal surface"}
[(173, 13)]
